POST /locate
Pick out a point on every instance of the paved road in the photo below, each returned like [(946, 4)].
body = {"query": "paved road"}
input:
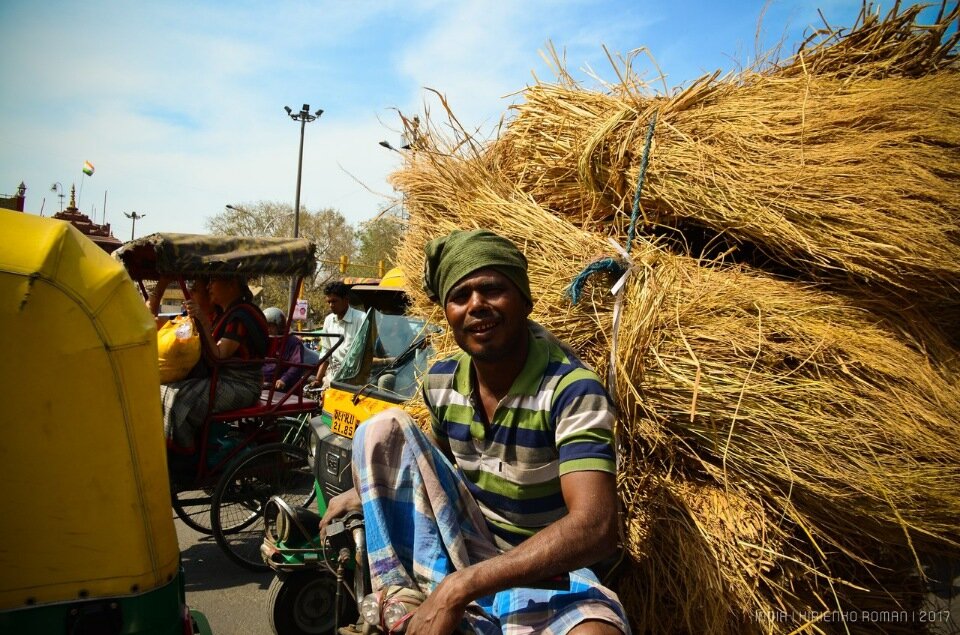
[(233, 599)]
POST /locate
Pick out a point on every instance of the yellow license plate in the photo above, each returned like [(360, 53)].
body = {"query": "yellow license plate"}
[(344, 423)]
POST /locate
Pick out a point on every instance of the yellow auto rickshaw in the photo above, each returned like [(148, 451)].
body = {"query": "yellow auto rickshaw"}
[(87, 542), (382, 369)]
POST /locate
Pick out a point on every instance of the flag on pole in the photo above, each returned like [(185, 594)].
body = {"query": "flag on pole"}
[(88, 168)]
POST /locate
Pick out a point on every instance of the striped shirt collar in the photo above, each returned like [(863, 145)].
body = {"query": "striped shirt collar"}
[(527, 382)]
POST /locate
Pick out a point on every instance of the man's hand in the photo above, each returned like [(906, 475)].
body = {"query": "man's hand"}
[(280, 385), (585, 535), (339, 506), (442, 611)]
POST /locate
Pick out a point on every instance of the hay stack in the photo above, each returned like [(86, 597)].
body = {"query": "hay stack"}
[(789, 443), (841, 166)]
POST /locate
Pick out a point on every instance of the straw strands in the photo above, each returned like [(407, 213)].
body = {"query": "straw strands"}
[(783, 363), (843, 178)]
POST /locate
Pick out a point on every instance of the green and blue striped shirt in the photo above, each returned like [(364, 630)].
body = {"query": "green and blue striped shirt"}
[(556, 419)]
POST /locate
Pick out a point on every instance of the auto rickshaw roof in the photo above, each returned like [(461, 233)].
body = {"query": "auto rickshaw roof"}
[(190, 255)]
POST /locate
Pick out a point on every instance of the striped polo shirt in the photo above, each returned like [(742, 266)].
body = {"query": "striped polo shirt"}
[(556, 419)]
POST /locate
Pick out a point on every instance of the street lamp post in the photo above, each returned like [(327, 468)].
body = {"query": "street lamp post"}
[(56, 187), (304, 117), (403, 197), (135, 217)]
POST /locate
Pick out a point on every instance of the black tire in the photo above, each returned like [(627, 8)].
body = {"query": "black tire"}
[(193, 508), (248, 482), (302, 604)]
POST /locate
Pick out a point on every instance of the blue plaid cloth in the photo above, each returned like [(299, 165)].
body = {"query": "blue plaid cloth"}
[(422, 524)]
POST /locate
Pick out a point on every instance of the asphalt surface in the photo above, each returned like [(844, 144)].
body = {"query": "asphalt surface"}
[(233, 599)]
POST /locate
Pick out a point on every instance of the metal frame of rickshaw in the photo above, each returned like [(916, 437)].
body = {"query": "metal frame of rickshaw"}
[(257, 423)]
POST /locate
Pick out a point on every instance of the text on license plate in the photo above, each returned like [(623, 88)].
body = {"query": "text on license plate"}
[(344, 423)]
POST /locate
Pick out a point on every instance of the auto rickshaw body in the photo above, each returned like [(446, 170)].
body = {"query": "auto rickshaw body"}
[(87, 544)]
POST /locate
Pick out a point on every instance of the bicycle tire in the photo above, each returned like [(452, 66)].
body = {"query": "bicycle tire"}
[(236, 519), (193, 508)]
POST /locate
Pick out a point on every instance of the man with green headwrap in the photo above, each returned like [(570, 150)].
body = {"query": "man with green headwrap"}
[(501, 542)]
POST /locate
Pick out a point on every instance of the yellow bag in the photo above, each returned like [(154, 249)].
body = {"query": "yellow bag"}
[(178, 349)]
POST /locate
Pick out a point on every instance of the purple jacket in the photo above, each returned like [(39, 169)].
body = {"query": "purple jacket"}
[(292, 352)]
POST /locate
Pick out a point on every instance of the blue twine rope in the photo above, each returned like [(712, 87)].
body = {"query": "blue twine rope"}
[(644, 160), (609, 264), (612, 265)]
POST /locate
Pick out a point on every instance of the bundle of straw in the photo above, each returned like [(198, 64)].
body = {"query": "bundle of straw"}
[(788, 442), (783, 404), (842, 166)]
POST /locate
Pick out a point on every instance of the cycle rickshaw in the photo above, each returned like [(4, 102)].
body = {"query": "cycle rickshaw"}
[(252, 453)]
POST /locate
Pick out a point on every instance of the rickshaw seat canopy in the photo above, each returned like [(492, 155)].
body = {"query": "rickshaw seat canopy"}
[(82, 460), (190, 255)]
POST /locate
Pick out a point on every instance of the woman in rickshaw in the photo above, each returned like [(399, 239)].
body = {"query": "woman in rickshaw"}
[(199, 293), (234, 346)]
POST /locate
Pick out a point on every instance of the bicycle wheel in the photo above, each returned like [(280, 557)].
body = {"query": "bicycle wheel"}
[(236, 513), (193, 508)]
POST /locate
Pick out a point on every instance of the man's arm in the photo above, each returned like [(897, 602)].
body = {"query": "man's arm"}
[(587, 534)]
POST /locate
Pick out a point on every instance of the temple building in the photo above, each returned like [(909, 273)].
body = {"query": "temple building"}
[(100, 234)]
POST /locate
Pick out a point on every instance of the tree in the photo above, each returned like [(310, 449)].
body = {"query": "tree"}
[(334, 238), (327, 228), (377, 240)]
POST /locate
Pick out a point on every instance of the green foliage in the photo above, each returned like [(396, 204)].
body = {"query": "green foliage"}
[(328, 228), (377, 240)]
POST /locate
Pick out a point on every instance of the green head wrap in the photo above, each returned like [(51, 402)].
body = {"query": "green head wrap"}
[(460, 253)]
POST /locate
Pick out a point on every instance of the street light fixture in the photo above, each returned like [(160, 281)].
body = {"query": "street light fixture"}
[(56, 187), (304, 117), (403, 198), (386, 144), (135, 217)]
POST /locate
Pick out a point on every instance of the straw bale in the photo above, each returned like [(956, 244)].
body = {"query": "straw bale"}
[(847, 177), (795, 392), (860, 182), (893, 45), (788, 441)]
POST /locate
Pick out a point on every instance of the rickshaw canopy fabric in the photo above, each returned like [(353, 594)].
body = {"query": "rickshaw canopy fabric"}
[(82, 460), (190, 255)]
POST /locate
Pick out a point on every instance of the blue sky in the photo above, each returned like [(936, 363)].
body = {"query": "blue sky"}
[(179, 104)]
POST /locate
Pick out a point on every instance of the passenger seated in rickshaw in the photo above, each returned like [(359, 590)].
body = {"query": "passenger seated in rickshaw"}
[(294, 352), (199, 293), (239, 334)]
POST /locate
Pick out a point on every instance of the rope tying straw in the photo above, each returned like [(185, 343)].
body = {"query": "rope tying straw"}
[(619, 267), (612, 265), (643, 175)]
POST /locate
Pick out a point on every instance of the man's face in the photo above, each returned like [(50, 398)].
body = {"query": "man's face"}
[(488, 316), (338, 305)]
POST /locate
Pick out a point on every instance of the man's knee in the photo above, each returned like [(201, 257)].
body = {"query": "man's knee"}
[(385, 426), (595, 627)]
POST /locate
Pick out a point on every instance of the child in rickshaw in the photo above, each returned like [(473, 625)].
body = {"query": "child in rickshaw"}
[(234, 345), (294, 353)]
